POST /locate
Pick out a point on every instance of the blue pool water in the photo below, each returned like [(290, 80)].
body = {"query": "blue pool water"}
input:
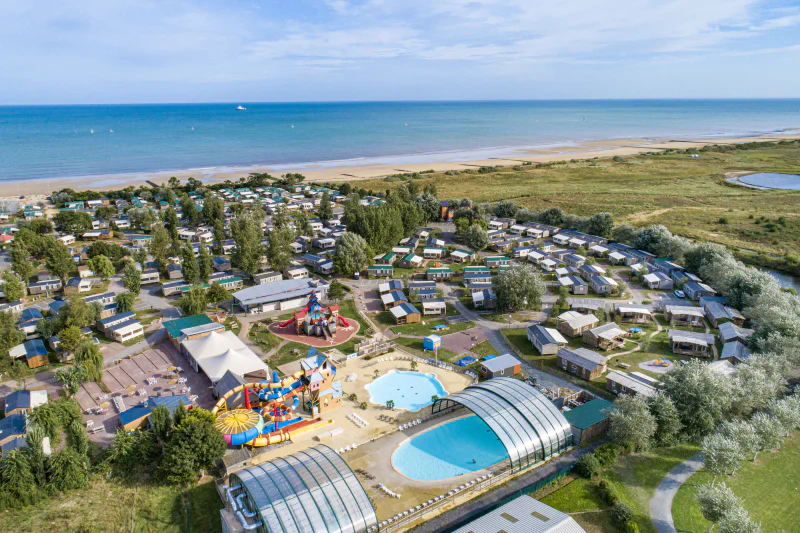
[(448, 451), (772, 180), (409, 390)]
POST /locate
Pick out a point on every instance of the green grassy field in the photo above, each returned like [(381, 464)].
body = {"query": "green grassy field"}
[(415, 346), (688, 195), (769, 488), (111, 506), (422, 330)]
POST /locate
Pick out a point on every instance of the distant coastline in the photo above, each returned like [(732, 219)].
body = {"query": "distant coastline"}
[(377, 167)]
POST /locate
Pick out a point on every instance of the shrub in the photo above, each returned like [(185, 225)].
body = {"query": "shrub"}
[(607, 492), (723, 220), (618, 159), (588, 466), (607, 454), (631, 527), (621, 513)]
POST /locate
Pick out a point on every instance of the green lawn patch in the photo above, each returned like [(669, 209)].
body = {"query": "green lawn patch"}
[(233, 324), (415, 346), (347, 308), (262, 337), (484, 348), (769, 488), (518, 339), (289, 352), (423, 330), (578, 496)]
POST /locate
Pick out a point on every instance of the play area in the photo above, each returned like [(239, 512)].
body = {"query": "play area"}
[(316, 325)]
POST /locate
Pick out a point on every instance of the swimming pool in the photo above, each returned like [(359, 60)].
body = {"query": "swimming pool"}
[(449, 450), (408, 390)]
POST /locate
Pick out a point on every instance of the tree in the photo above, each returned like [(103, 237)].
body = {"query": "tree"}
[(35, 453), (601, 224), (390, 404), (279, 254), (716, 502), (68, 470), (302, 226), (161, 422), (21, 260), (413, 364), (179, 414), (770, 432), (336, 291), (588, 466), (219, 236), (40, 226), (105, 213), (102, 266), (721, 455), (325, 211), (217, 293), (351, 254), (125, 301), (506, 209), (430, 206), (77, 313), (519, 287), (77, 438), (46, 418), (248, 250), (10, 336), (193, 301), (20, 372), (188, 264), (738, 521), (71, 378), (132, 278), (73, 222), (88, 355), (745, 436), (194, 445), (205, 264), (701, 396), (160, 245), (142, 218), (213, 209), (190, 212), (16, 476), (13, 286), (668, 420), (476, 237), (632, 423), (140, 256), (69, 339), (58, 259), (171, 223), (787, 410)]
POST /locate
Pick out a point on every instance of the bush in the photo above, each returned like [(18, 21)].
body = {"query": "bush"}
[(607, 454), (723, 220), (631, 527), (618, 159), (607, 492), (621, 513), (588, 466)]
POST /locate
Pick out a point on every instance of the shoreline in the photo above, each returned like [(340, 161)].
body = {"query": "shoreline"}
[(356, 169)]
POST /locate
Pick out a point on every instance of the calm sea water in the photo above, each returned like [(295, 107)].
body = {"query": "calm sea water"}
[(55, 141)]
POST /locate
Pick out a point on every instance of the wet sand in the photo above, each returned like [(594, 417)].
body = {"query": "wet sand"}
[(332, 172)]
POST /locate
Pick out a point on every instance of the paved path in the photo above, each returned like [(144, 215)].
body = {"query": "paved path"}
[(661, 503)]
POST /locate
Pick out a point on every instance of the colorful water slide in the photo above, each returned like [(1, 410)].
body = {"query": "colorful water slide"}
[(239, 426), (291, 382)]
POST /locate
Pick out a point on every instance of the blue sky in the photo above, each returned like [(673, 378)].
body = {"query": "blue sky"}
[(119, 51)]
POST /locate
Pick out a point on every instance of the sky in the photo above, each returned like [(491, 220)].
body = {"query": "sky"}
[(151, 51)]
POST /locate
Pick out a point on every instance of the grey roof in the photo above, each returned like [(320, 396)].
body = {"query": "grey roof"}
[(694, 337), (309, 491), (529, 516), (123, 325), (630, 382), (530, 427), (683, 310), (729, 331), (582, 357), (117, 318), (275, 291), (735, 350), (403, 309), (500, 363), (541, 334), (202, 328)]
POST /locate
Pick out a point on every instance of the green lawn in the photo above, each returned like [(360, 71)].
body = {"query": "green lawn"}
[(484, 348), (233, 324), (577, 496), (422, 330), (518, 338), (415, 346), (262, 337), (137, 508), (289, 352), (769, 488), (347, 308)]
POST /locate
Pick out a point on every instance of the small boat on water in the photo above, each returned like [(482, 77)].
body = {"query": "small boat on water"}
[(241, 108), (91, 131), (110, 131)]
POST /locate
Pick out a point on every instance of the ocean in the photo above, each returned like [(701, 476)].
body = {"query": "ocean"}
[(39, 142)]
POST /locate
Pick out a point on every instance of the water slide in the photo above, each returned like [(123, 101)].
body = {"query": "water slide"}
[(342, 321), (291, 382)]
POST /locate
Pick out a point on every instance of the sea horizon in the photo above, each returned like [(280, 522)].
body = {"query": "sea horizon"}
[(79, 141)]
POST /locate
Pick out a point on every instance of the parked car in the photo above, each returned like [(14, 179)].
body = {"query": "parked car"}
[(679, 294)]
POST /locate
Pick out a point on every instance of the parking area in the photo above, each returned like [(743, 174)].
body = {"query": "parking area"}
[(132, 381)]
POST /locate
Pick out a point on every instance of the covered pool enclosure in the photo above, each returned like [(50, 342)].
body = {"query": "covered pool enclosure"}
[(530, 427), (312, 490)]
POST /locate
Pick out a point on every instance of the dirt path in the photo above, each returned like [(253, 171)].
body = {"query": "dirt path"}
[(661, 503)]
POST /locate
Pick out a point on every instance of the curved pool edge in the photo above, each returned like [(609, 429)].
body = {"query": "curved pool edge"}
[(397, 370)]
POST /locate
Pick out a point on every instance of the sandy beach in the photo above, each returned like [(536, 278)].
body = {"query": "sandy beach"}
[(331, 172)]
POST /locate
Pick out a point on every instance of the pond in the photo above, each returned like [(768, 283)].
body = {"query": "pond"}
[(787, 281), (772, 180)]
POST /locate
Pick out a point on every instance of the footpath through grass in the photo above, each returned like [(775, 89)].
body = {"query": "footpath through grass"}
[(770, 488)]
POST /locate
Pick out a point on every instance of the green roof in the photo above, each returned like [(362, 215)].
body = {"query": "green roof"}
[(589, 414), (174, 327), (380, 267), (440, 269)]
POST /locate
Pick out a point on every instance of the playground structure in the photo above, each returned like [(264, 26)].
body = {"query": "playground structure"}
[(659, 362), (268, 410), (314, 320)]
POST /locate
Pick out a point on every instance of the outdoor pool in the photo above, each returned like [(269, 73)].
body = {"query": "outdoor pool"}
[(449, 450), (408, 390), (771, 180)]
